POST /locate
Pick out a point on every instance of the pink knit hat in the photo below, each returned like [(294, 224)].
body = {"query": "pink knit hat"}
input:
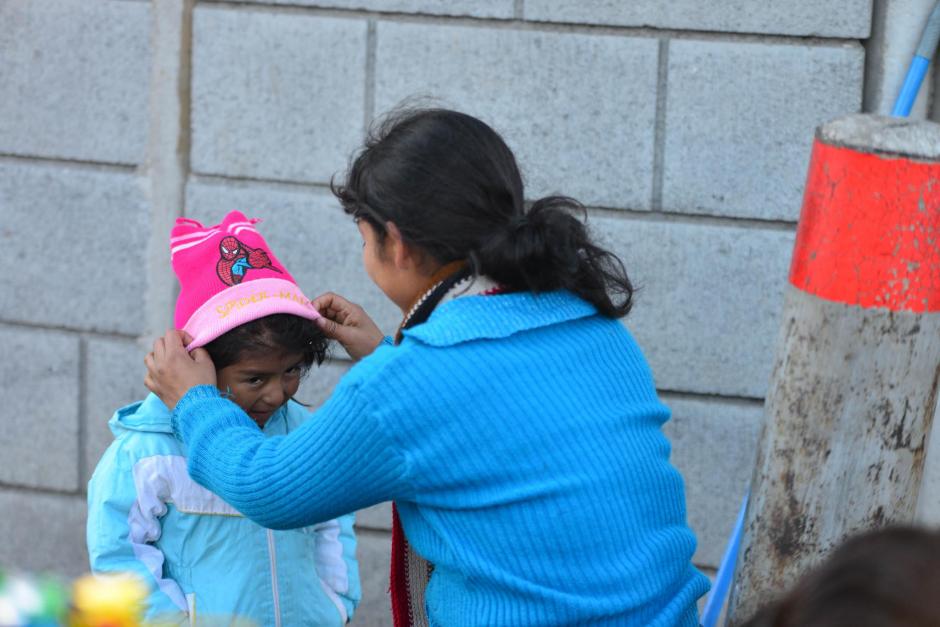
[(228, 276)]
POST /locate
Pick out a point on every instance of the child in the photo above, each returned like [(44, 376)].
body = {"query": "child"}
[(145, 514)]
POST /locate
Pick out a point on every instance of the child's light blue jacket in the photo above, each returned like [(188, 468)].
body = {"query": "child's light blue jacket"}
[(201, 557)]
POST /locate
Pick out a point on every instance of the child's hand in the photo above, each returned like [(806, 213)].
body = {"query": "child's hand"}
[(348, 324), (171, 371)]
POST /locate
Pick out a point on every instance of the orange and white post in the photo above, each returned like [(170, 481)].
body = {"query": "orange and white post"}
[(855, 379)]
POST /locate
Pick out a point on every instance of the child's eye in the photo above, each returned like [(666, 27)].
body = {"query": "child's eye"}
[(254, 381)]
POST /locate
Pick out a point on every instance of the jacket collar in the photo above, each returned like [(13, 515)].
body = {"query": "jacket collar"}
[(149, 415), (153, 415), (497, 316)]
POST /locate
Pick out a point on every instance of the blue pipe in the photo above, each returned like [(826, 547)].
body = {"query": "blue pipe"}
[(919, 64), (915, 76), (716, 599)]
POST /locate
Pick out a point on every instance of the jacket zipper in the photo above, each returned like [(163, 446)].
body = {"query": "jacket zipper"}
[(277, 596)]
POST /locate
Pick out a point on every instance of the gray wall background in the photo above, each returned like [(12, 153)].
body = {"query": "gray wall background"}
[(685, 126)]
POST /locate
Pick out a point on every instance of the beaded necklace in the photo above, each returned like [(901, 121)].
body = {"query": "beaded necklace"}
[(440, 283)]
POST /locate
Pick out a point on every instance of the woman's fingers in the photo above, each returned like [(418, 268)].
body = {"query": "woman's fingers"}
[(172, 340), (331, 329), (335, 307), (149, 363), (201, 356), (348, 324), (158, 347), (171, 370), (324, 303)]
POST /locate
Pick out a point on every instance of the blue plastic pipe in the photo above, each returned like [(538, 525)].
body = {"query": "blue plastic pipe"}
[(919, 64), (915, 76), (716, 599)]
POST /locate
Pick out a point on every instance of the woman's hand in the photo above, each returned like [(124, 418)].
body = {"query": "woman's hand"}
[(348, 324), (171, 371)]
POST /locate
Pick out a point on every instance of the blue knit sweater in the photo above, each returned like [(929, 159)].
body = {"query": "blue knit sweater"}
[(520, 437)]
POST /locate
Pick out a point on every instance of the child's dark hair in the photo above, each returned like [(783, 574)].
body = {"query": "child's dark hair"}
[(887, 577), (275, 332), (452, 187)]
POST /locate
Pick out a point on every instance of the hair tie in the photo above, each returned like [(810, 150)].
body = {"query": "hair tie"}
[(518, 221)]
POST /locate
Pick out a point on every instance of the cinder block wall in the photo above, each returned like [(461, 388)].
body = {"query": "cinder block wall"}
[(685, 126)]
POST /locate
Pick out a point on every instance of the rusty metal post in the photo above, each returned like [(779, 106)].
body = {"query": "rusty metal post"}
[(855, 380)]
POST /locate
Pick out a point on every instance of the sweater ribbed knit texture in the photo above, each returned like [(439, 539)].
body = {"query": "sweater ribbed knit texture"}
[(520, 438)]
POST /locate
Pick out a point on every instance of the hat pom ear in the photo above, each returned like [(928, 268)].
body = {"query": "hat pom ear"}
[(185, 226)]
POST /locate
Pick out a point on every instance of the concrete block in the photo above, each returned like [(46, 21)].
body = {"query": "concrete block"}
[(707, 310), (843, 18), (740, 119), (373, 552), (580, 117), (114, 377), (318, 243), (278, 96), (43, 533), (74, 79), (377, 517), (39, 413), (77, 240), (475, 8), (714, 447)]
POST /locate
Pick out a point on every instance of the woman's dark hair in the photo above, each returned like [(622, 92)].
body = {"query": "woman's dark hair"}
[(275, 332), (451, 186), (881, 578)]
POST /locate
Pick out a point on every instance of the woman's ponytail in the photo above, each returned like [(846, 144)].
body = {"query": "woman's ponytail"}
[(547, 248)]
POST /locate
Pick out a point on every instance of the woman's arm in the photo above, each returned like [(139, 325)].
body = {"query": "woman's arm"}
[(338, 461)]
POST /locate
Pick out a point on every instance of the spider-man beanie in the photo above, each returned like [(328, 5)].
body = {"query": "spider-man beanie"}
[(228, 276)]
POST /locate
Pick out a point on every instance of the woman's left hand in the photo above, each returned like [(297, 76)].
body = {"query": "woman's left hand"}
[(172, 371)]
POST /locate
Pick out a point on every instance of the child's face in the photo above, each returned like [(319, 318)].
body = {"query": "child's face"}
[(260, 383)]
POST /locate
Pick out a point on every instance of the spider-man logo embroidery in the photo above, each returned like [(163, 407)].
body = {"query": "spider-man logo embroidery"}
[(237, 259)]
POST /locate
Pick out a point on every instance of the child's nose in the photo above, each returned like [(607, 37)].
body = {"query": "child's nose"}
[(275, 394)]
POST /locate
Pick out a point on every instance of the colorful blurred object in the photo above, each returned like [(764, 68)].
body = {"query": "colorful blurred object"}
[(97, 601), (32, 601), (104, 600), (108, 601)]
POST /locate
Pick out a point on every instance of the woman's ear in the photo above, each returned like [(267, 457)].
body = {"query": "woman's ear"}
[(396, 248), (403, 255)]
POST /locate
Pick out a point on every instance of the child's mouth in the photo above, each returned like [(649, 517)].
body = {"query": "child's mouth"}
[(260, 415)]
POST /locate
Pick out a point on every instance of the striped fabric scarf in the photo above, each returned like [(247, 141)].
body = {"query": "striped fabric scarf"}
[(410, 572)]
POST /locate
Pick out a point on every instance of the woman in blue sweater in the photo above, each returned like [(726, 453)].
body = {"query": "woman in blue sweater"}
[(512, 420)]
